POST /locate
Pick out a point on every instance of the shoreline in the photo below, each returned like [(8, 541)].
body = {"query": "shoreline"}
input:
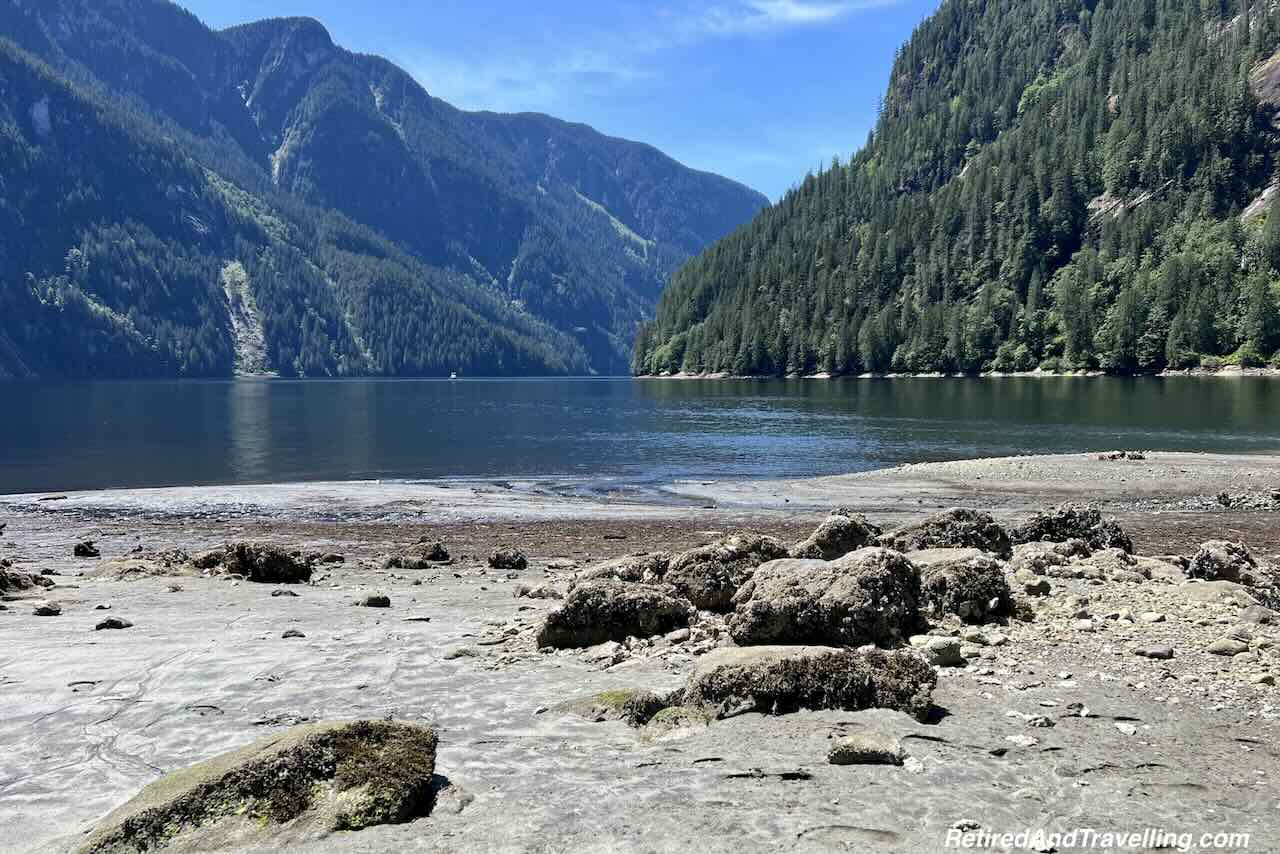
[(210, 663), (1229, 372)]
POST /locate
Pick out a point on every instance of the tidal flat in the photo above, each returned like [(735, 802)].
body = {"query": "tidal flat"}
[(1105, 694)]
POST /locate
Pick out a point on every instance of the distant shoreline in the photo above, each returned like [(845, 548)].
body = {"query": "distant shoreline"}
[(1227, 372)]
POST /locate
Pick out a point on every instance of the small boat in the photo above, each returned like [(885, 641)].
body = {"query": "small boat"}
[(453, 376)]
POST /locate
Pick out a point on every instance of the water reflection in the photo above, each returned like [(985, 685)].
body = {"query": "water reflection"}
[(88, 435)]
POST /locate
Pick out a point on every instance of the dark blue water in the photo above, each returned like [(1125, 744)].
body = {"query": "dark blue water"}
[(65, 436)]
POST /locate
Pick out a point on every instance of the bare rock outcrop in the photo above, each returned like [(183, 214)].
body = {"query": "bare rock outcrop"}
[(601, 611), (307, 780), (780, 679), (869, 596), (955, 528)]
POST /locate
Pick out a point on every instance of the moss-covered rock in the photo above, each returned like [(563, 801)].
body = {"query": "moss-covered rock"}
[(264, 564), (308, 780), (842, 532), (601, 611), (955, 528), (869, 596), (781, 679), (963, 583), (635, 706), (709, 576), (675, 722)]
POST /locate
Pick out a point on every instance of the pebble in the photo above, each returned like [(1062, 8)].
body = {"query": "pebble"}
[(1228, 647), (1127, 729), (293, 633), (1151, 617), (1162, 653), (51, 609)]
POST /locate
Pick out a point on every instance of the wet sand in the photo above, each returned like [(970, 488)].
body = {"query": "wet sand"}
[(87, 718)]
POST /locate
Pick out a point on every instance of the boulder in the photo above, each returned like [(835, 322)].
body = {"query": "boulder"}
[(840, 534), (1072, 521), (1113, 564), (15, 581), (675, 722), (301, 783), (113, 623), (48, 609), (964, 583), (86, 549), (866, 747), (646, 568), (869, 596), (507, 557), (542, 591), (711, 575), (939, 651), (1220, 560), (600, 611), (780, 679), (263, 564), (955, 528), (376, 600), (166, 564), (423, 554), (633, 706), (1040, 558)]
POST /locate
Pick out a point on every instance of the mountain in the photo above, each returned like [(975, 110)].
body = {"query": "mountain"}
[(182, 201), (1063, 184)]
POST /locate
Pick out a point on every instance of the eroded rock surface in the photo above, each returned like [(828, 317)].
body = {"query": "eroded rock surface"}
[(780, 679), (955, 528), (869, 596), (601, 611), (710, 576), (308, 780)]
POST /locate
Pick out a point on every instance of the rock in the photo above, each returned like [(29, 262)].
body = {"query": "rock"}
[(1127, 728), (836, 537), (869, 596), (377, 600), (955, 528), (866, 747), (460, 652), (941, 652), (507, 557), (423, 554), (600, 611), (86, 549), (1112, 564), (1032, 585), (13, 581), (135, 567), (711, 575), (678, 636), (292, 633), (263, 564), (543, 591), (1215, 592), (1073, 521), (1228, 647), (645, 568), (288, 594), (1220, 560), (49, 609), (1161, 653), (1260, 615), (675, 722), (633, 706), (960, 582), (780, 679), (113, 623), (308, 780), (1263, 679)]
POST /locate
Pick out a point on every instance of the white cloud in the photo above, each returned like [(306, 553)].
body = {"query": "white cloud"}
[(748, 17)]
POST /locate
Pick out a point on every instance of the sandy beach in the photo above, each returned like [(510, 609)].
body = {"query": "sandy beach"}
[(87, 718)]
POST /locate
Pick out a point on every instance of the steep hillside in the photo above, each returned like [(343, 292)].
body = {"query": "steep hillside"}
[(550, 230), (1053, 183)]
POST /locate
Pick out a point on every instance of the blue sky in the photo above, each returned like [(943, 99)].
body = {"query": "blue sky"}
[(759, 90)]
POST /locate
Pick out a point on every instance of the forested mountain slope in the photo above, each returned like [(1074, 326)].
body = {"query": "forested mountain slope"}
[(1050, 183), (421, 239)]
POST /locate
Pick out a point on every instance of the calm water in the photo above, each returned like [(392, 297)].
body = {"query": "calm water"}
[(67, 436)]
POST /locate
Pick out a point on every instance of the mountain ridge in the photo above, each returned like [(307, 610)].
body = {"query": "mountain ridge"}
[(538, 213)]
